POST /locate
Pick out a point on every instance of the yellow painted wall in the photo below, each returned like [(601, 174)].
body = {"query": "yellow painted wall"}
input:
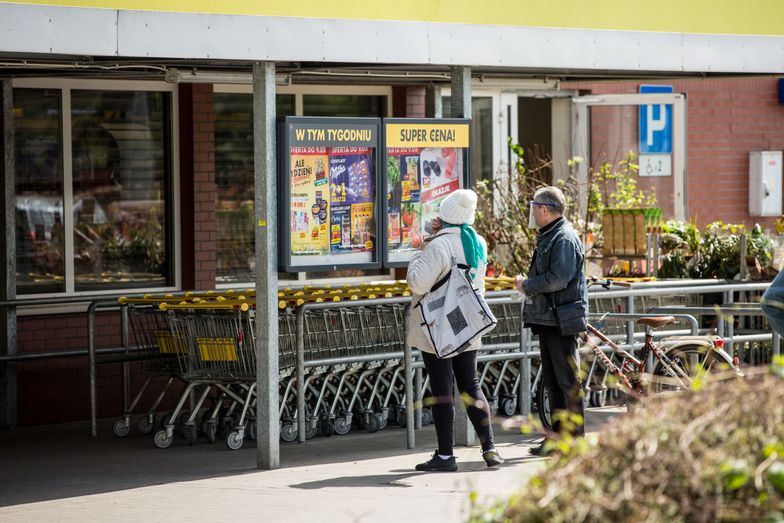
[(751, 17)]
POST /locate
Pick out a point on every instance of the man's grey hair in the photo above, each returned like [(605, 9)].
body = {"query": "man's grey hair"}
[(552, 196)]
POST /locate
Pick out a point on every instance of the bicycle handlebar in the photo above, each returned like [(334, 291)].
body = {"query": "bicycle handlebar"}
[(607, 282)]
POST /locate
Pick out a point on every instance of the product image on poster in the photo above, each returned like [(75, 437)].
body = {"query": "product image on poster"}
[(309, 201), (352, 192), (417, 180)]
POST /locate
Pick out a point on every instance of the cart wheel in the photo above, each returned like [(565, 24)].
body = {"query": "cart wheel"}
[(288, 432), (400, 417), (190, 434), (161, 441), (373, 423), (310, 430), (342, 426), (327, 427), (615, 394), (166, 420), (508, 406), (382, 420), (234, 441), (121, 428), (145, 426), (492, 403), (599, 398), (252, 430), (427, 417), (210, 429)]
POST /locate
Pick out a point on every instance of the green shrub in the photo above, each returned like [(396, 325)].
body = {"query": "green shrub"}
[(712, 455)]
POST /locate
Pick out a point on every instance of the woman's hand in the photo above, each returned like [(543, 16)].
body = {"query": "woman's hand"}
[(437, 225)]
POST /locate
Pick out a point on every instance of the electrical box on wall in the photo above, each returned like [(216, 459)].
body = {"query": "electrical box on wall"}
[(765, 183)]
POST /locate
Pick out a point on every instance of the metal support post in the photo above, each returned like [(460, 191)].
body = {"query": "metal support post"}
[(126, 365), (648, 254), (301, 414), (655, 253), (408, 376), (8, 386), (744, 246), (524, 393), (91, 368), (729, 330), (266, 217), (776, 345), (418, 392), (461, 108)]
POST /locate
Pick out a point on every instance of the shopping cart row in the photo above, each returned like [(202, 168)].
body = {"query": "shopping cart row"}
[(200, 348), (204, 351)]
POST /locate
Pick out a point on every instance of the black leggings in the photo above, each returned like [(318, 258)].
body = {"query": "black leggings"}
[(441, 372)]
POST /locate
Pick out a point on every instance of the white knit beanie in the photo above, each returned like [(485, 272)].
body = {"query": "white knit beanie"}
[(459, 207)]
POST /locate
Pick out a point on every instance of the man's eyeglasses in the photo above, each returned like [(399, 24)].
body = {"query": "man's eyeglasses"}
[(542, 203)]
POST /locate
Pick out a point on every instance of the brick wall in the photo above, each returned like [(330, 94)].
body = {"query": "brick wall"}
[(204, 192), (726, 119), (415, 101)]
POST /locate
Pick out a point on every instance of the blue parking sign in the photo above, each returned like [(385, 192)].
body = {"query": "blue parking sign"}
[(655, 123)]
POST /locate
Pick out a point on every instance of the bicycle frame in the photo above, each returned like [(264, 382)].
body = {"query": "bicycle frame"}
[(630, 365)]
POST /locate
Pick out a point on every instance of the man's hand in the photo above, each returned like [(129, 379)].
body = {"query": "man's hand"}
[(519, 284)]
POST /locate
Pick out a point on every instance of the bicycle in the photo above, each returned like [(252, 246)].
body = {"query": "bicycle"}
[(677, 360)]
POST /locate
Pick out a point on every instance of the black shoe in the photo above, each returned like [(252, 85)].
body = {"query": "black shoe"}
[(492, 458), (436, 464), (543, 450)]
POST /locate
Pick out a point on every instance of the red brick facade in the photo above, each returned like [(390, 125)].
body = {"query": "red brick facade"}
[(726, 119)]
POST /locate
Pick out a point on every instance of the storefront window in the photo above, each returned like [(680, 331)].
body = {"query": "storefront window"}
[(481, 135), (234, 183), (120, 181), (120, 163), (40, 239)]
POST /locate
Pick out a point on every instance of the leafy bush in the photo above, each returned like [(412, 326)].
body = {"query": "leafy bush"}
[(714, 253), (715, 454), (615, 186)]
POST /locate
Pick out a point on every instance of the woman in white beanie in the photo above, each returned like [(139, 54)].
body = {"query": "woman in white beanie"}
[(452, 236)]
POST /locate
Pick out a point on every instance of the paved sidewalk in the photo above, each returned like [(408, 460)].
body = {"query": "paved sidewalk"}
[(57, 473)]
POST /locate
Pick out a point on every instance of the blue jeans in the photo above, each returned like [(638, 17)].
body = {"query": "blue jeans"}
[(773, 304)]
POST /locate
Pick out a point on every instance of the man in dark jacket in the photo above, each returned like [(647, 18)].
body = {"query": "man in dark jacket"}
[(556, 280)]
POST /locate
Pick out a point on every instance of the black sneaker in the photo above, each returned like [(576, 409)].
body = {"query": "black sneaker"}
[(492, 457), (436, 464), (543, 450)]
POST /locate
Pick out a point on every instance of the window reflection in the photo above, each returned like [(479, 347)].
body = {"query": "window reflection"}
[(40, 239), (234, 181), (120, 165)]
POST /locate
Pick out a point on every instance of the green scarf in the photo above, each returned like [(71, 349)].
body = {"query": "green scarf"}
[(474, 252)]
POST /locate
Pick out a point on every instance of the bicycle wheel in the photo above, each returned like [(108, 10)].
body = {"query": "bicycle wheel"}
[(543, 405), (681, 365)]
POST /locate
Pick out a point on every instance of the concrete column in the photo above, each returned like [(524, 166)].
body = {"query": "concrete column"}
[(461, 108), (266, 220), (8, 392)]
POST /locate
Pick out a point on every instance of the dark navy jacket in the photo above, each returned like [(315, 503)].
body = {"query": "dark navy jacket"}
[(557, 274)]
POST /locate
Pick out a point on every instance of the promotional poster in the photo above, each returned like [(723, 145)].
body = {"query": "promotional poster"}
[(309, 201)]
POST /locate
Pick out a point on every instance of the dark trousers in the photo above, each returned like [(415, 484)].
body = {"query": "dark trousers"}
[(443, 373), (560, 365)]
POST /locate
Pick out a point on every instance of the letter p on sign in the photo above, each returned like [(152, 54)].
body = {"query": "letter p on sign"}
[(655, 122)]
